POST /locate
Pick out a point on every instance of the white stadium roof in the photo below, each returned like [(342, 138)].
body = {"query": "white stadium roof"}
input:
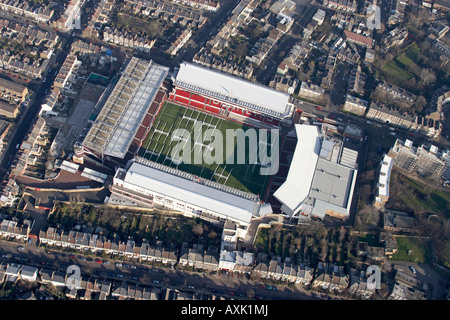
[(118, 121), (319, 182), (175, 187), (234, 90), (296, 188)]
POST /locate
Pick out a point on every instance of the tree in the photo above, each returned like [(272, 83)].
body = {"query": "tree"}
[(427, 76), (198, 229), (241, 50), (420, 104)]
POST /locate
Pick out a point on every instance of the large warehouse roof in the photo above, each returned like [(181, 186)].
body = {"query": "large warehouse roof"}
[(296, 188), (176, 187), (126, 106), (234, 90)]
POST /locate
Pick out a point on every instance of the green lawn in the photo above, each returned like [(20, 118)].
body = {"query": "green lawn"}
[(412, 250), (394, 68), (410, 56), (437, 202), (158, 147), (371, 239), (398, 67)]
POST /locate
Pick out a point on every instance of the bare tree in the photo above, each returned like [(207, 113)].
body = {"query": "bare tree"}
[(241, 50), (427, 76)]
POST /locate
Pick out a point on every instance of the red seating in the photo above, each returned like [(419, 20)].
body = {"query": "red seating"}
[(197, 104), (182, 99), (182, 93), (212, 109), (210, 105), (238, 111), (198, 98)]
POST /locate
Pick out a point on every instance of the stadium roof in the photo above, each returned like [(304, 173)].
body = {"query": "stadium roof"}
[(296, 188), (120, 117), (226, 204), (320, 181), (330, 182), (234, 90)]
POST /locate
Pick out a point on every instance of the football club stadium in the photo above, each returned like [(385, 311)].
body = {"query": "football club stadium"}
[(197, 141)]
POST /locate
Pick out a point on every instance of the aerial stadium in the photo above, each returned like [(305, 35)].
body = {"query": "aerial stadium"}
[(135, 131), (139, 125)]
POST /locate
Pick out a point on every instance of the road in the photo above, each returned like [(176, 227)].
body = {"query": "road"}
[(228, 285)]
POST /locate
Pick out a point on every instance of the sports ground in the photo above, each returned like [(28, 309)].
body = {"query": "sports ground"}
[(160, 141)]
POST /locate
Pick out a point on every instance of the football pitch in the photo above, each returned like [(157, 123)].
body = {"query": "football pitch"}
[(164, 135)]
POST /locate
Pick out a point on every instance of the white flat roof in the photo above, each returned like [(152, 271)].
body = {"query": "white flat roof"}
[(232, 206), (231, 88), (385, 173), (301, 171)]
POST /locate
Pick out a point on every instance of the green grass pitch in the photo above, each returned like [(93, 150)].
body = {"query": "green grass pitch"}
[(158, 145)]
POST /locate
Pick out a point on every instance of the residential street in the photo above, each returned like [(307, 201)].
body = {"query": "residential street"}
[(227, 285)]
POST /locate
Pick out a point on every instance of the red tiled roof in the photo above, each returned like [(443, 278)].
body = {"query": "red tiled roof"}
[(358, 38)]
